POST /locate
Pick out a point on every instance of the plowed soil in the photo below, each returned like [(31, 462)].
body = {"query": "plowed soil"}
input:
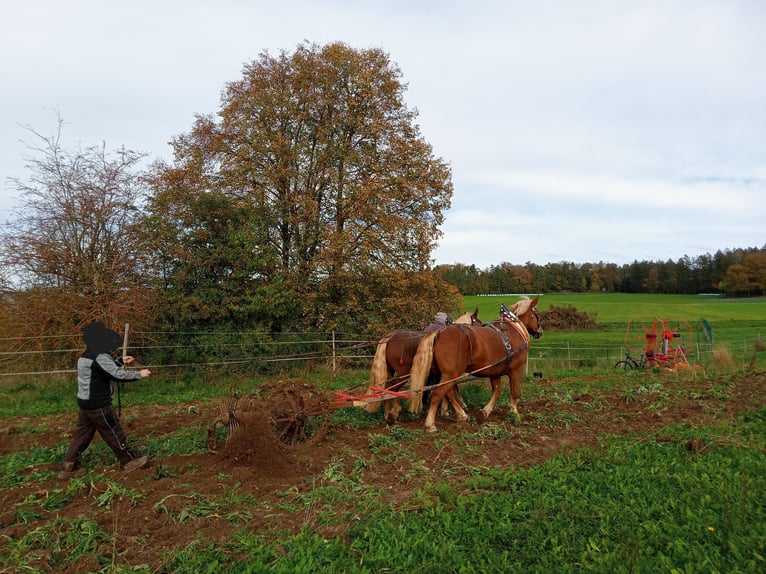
[(253, 462)]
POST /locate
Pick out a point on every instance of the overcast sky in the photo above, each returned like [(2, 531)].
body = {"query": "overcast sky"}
[(579, 131)]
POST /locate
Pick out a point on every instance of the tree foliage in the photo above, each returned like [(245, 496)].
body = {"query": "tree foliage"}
[(305, 201), (70, 254), (733, 272)]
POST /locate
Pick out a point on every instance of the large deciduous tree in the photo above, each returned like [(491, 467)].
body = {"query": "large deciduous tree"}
[(311, 199), (70, 254)]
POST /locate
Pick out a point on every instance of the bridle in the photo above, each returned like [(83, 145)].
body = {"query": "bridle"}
[(536, 333), (509, 315)]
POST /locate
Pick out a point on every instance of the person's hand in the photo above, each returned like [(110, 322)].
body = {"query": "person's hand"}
[(127, 359), (145, 373)]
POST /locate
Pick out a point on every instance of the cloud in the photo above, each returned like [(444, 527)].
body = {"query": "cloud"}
[(575, 130)]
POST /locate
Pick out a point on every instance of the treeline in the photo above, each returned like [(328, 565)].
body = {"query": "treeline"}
[(739, 272)]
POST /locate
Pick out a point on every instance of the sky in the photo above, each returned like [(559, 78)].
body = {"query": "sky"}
[(577, 131)]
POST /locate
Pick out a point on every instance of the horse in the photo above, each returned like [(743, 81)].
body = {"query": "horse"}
[(393, 361), (490, 351)]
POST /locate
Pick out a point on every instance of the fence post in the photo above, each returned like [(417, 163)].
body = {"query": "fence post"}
[(125, 342), (333, 350)]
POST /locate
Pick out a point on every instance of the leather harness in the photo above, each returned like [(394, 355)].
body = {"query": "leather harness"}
[(506, 319)]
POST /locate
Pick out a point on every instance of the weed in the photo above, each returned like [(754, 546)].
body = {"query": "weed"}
[(723, 360), (163, 471), (395, 436), (334, 472), (55, 546), (115, 491), (720, 391), (493, 431), (360, 465)]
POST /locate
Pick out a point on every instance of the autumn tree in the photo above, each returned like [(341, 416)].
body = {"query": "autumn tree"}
[(310, 200), (70, 253), (747, 277)]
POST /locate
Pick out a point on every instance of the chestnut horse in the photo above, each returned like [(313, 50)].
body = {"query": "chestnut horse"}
[(496, 349), (393, 361)]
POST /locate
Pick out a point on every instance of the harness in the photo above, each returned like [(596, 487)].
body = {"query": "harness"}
[(520, 329), (507, 318)]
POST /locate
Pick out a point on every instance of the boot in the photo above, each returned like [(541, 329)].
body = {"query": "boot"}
[(135, 463), (69, 471)]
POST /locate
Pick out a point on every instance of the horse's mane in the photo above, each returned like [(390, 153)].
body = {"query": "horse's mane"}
[(465, 319), (521, 306)]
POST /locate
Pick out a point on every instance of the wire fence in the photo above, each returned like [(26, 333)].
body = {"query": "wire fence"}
[(169, 353), (164, 352)]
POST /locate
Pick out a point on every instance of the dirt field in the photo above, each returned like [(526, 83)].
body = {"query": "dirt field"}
[(273, 476)]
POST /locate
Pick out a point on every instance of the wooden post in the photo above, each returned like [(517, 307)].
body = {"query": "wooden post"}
[(125, 342), (333, 351)]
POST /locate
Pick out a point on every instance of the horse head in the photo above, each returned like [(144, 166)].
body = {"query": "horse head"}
[(526, 312), (469, 318)]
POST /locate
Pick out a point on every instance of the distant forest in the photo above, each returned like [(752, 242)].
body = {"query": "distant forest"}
[(732, 272)]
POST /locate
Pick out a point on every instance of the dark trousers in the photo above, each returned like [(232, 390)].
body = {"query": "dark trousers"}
[(105, 422)]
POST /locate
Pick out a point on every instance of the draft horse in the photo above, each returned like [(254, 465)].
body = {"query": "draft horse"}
[(490, 351), (393, 361)]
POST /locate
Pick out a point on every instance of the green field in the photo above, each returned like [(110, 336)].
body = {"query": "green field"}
[(619, 307), (606, 471), (737, 324)]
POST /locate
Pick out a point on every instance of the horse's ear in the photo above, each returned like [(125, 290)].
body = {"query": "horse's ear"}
[(476, 313), (534, 301)]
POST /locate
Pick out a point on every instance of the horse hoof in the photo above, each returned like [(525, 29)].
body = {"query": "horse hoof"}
[(391, 419), (431, 428), (484, 415)]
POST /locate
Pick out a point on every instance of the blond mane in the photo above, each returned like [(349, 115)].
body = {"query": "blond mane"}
[(521, 306)]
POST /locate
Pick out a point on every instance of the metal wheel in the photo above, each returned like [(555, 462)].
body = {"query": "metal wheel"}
[(296, 412), (299, 413)]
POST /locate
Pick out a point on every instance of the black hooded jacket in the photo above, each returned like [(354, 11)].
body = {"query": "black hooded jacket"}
[(95, 373)]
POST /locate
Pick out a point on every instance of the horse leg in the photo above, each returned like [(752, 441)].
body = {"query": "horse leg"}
[(459, 397), (437, 396), (496, 389), (515, 383), (392, 414), (444, 406), (394, 406), (460, 414)]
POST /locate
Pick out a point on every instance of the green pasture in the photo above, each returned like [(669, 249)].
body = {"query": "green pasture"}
[(620, 307), (738, 327)]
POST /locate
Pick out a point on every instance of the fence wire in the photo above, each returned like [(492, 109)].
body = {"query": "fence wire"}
[(330, 347)]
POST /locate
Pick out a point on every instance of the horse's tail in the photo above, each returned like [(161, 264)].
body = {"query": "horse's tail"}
[(421, 366), (378, 373)]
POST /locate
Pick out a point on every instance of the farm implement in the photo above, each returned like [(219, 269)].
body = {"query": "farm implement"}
[(655, 343), (297, 413)]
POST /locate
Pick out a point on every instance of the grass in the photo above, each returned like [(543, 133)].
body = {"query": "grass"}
[(739, 327), (679, 499), (645, 503), (619, 307), (641, 504)]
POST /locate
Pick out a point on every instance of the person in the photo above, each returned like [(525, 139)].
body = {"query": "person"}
[(96, 373), (440, 321)]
